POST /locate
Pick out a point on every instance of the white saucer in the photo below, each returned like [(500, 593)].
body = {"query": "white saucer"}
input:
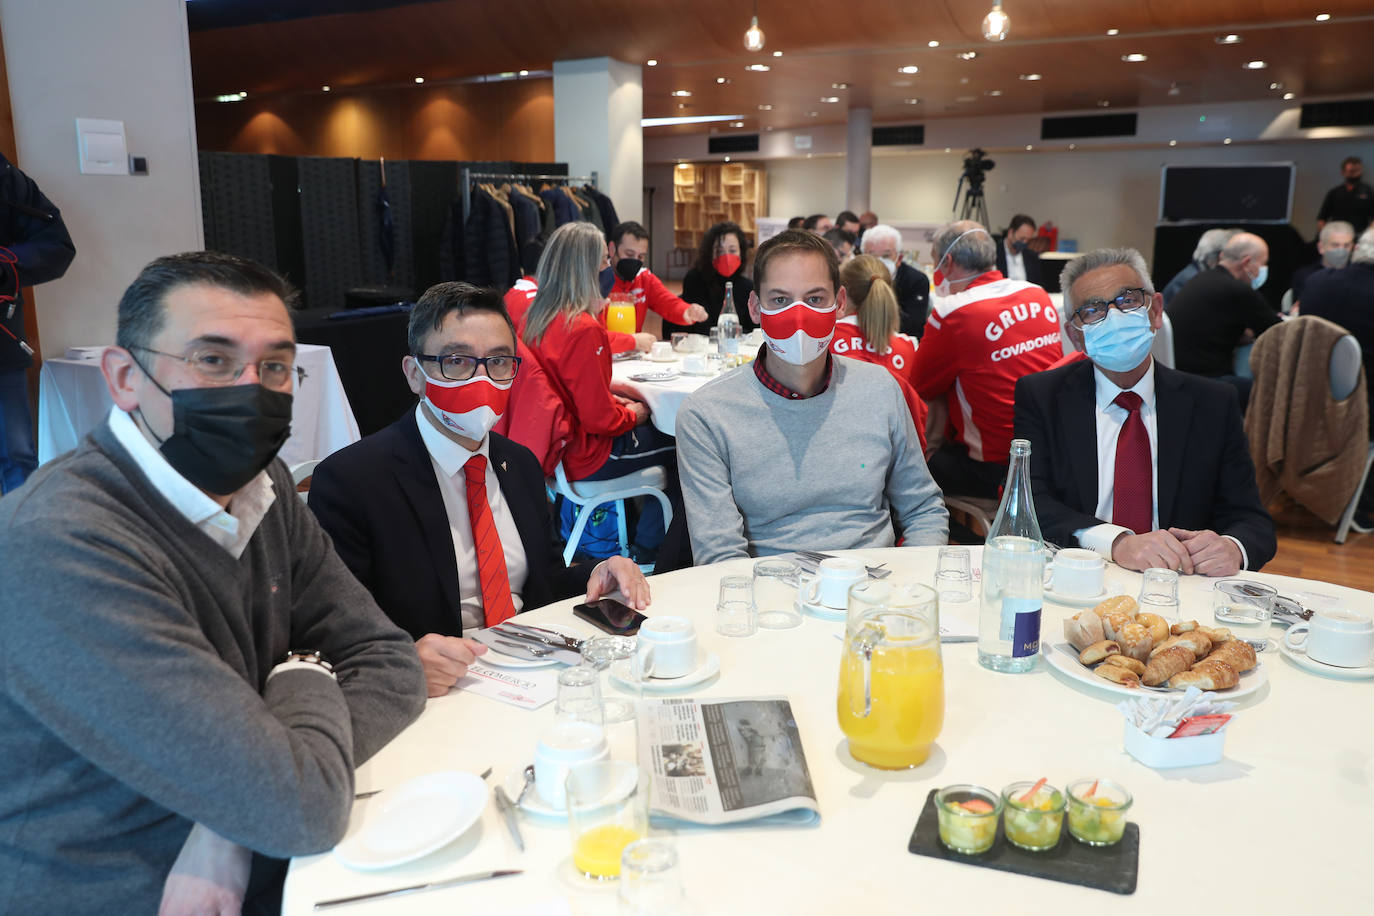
[(535, 805), (704, 373), (1074, 600), (655, 375), (499, 659), (414, 819), (709, 668), (1299, 657), (820, 610), (662, 359)]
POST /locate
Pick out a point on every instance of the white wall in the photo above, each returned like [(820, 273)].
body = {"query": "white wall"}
[(127, 61), (598, 103)]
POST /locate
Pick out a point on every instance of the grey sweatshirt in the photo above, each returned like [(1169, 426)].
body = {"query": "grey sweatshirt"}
[(762, 474), (134, 653)]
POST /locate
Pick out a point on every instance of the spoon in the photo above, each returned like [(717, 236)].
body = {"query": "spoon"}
[(529, 781), (536, 651)]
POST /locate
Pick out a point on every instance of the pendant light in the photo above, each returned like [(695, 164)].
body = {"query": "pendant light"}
[(996, 23), (753, 36)]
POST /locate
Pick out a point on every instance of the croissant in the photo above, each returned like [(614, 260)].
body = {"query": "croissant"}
[(1217, 635), (1157, 625), (1195, 640), (1208, 675), (1099, 651), (1172, 661), (1125, 661), (1118, 675), (1135, 641), (1083, 629), (1160, 647), (1183, 626), (1115, 622), (1123, 604), (1235, 652)]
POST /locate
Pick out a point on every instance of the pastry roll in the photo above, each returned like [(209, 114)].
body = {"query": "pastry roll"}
[(1157, 625), (1160, 647), (1120, 604), (1125, 661), (1115, 622), (1195, 640), (1235, 652), (1207, 675), (1083, 629), (1118, 675), (1099, 651), (1172, 661), (1184, 626), (1217, 635), (1135, 641)]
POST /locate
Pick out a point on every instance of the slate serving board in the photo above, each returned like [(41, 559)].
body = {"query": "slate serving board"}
[(1108, 868)]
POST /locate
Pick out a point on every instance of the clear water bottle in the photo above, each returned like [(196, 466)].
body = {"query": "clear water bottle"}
[(1013, 575), (728, 323)]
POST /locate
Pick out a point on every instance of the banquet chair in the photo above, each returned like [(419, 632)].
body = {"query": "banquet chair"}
[(978, 510), (1163, 346), (588, 494), (301, 474), (1344, 376)]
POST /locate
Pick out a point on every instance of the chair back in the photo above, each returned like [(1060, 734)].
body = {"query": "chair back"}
[(536, 416), (1345, 367), (1163, 347)]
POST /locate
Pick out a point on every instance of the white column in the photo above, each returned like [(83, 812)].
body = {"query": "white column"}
[(859, 160), (128, 61), (598, 103)]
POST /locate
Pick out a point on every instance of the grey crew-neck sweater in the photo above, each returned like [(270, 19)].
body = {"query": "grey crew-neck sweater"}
[(763, 474), (134, 653)]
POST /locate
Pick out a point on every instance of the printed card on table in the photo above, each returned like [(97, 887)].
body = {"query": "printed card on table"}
[(519, 687)]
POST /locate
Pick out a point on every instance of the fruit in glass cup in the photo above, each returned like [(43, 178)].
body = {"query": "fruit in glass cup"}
[(967, 817), (1097, 811), (1033, 815)]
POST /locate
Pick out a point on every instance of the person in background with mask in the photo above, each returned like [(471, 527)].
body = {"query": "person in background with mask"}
[(444, 521), (1015, 259), (984, 333), (912, 286), (818, 223), (1222, 308), (1351, 201), (843, 242), (628, 252), (1205, 255), (1147, 466), (721, 257), (848, 220), (1334, 244), (799, 448), (191, 673)]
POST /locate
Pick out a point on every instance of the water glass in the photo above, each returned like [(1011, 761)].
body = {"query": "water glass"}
[(954, 575), (608, 809), (735, 614), (579, 695), (775, 594), (1245, 608), (679, 341), (1159, 593), (650, 880), (713, 341), (599, 653)]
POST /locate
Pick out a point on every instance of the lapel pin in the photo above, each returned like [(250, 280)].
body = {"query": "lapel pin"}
[(503, 465)]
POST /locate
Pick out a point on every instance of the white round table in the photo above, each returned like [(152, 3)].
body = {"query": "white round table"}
[(662, 398), (1280, 825)]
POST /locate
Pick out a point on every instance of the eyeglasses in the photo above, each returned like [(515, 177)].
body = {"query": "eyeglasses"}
[(215, 366), (1095, 310), (458, 368)]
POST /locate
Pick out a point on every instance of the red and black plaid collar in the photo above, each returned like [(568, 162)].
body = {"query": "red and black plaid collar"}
[(781, 390)]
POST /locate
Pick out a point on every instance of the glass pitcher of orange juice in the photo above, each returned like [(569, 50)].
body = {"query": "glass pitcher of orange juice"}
[(620, 313), (891, 701)]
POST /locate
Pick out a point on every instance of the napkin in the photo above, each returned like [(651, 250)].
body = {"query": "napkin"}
[(1159, 717)]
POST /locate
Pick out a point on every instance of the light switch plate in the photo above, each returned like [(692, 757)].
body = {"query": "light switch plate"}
[(101, 147)]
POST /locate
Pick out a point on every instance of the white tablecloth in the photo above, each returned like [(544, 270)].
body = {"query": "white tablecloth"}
[(1280, 826), (73, 399), (662, 398)]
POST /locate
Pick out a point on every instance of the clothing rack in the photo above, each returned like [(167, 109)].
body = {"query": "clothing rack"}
[(469, 176)]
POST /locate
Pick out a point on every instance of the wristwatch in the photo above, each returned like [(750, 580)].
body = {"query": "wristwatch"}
[(309, 657)]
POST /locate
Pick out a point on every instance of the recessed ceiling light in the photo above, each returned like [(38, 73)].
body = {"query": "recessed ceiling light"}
[(812, 114), (1227, 141), (687, 119), (524, 73), (1103, 103), (947, 149), (681, 105), (419, 79), (768, 127), (1289, 96), (231, 97), (830, 98), (912, 101), (966, 98), (908, 70), (1029, 147), (777, 54), (1173, 143), (736, 123), (682, 93), (1229, 39), (932, 44), (1276, 86), (1254, 65), (324, 88), (683, 165), (1073, 146), (1323, 17), (727, 158), (1113, 31), (967, 55), (722, 80), (759, 68), (993, 92), (1174, 90), (506, 74), (839, 85), (1029, 77), (651, 62), (1135, 58), (765, 108)]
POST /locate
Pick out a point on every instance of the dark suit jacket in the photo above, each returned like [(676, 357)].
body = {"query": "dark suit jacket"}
[(1030, 258), (379, 501), (1206, 478), (913, 298)]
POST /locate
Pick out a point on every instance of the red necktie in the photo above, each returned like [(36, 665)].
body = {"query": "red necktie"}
[(491, 558), (1132, 496)]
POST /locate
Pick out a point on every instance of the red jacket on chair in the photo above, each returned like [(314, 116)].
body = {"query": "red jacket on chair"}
[(536, 416)]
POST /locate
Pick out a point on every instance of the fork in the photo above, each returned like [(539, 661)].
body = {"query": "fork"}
[(536, 651), (874, 572)]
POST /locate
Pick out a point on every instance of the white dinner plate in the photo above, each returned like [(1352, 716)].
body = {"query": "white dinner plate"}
[(414, 819), (534, 804), (1074, 600), (1299, 657), (704, 373), (502, 660), (672, 358), (1064, 657), (656, 375), (709, 668)]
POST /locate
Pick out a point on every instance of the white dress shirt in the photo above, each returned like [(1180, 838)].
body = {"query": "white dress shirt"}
[(448, 458), (1016, 265), (1110, 420), (231, 528)]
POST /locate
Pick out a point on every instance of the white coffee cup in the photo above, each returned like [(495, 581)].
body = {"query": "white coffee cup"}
[(674, 644), (1341, 638), (694, 362), (1077, 573), (831, 583), (563, 747), (661, 349)]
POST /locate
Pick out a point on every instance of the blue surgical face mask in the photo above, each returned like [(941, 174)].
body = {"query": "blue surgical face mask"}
[(1258, 279), (1121, 341)]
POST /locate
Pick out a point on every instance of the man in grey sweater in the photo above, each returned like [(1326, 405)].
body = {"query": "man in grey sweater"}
[(802, 449), (170, 611)]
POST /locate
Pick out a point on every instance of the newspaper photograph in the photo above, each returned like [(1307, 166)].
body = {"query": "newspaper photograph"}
[(726, 761)]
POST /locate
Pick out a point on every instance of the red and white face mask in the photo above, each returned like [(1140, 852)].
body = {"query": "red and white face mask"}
[(798, 333), (469, 408)]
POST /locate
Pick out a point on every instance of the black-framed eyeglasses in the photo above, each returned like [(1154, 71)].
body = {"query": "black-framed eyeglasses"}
[(1095, 310), (459, 368), (217, 366)]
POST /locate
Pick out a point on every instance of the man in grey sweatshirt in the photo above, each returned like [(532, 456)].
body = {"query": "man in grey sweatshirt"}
[(170, 613), (802, 449)]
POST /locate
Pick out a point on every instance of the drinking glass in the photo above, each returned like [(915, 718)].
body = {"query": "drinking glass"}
[(579, 695), (1159, 593), (608, 809), (650, 880), (713, 341), (735, 615), (1245, 608), (954, 575), (679, 339), (775, 594), (599, 653)]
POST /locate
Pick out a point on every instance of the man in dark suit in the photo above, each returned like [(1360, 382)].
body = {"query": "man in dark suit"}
[(445, 522), (911, 285), (1147, 466), (1014, 258)]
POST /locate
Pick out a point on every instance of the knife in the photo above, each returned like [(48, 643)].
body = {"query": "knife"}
[(492, 638), (503, 804), (548, 637), (417, 888)]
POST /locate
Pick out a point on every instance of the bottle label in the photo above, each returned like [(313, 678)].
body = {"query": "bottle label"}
[(1021, 625)]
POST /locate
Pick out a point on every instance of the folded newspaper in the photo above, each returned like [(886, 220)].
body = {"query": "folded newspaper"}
[(726, 761)]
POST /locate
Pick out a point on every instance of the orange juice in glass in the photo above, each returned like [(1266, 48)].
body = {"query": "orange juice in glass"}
[(608, 809), (620, 313), (891, 699)]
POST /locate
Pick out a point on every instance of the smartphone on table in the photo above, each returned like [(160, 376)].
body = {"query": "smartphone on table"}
[(611, 616)]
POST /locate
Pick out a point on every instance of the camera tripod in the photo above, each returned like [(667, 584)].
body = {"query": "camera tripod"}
[(975, 205)]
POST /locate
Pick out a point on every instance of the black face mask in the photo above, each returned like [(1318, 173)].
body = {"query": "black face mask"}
[(1019, 247), (628, 268)]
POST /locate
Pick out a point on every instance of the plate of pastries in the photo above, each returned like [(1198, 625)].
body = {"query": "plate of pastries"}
[(1114, 646)]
